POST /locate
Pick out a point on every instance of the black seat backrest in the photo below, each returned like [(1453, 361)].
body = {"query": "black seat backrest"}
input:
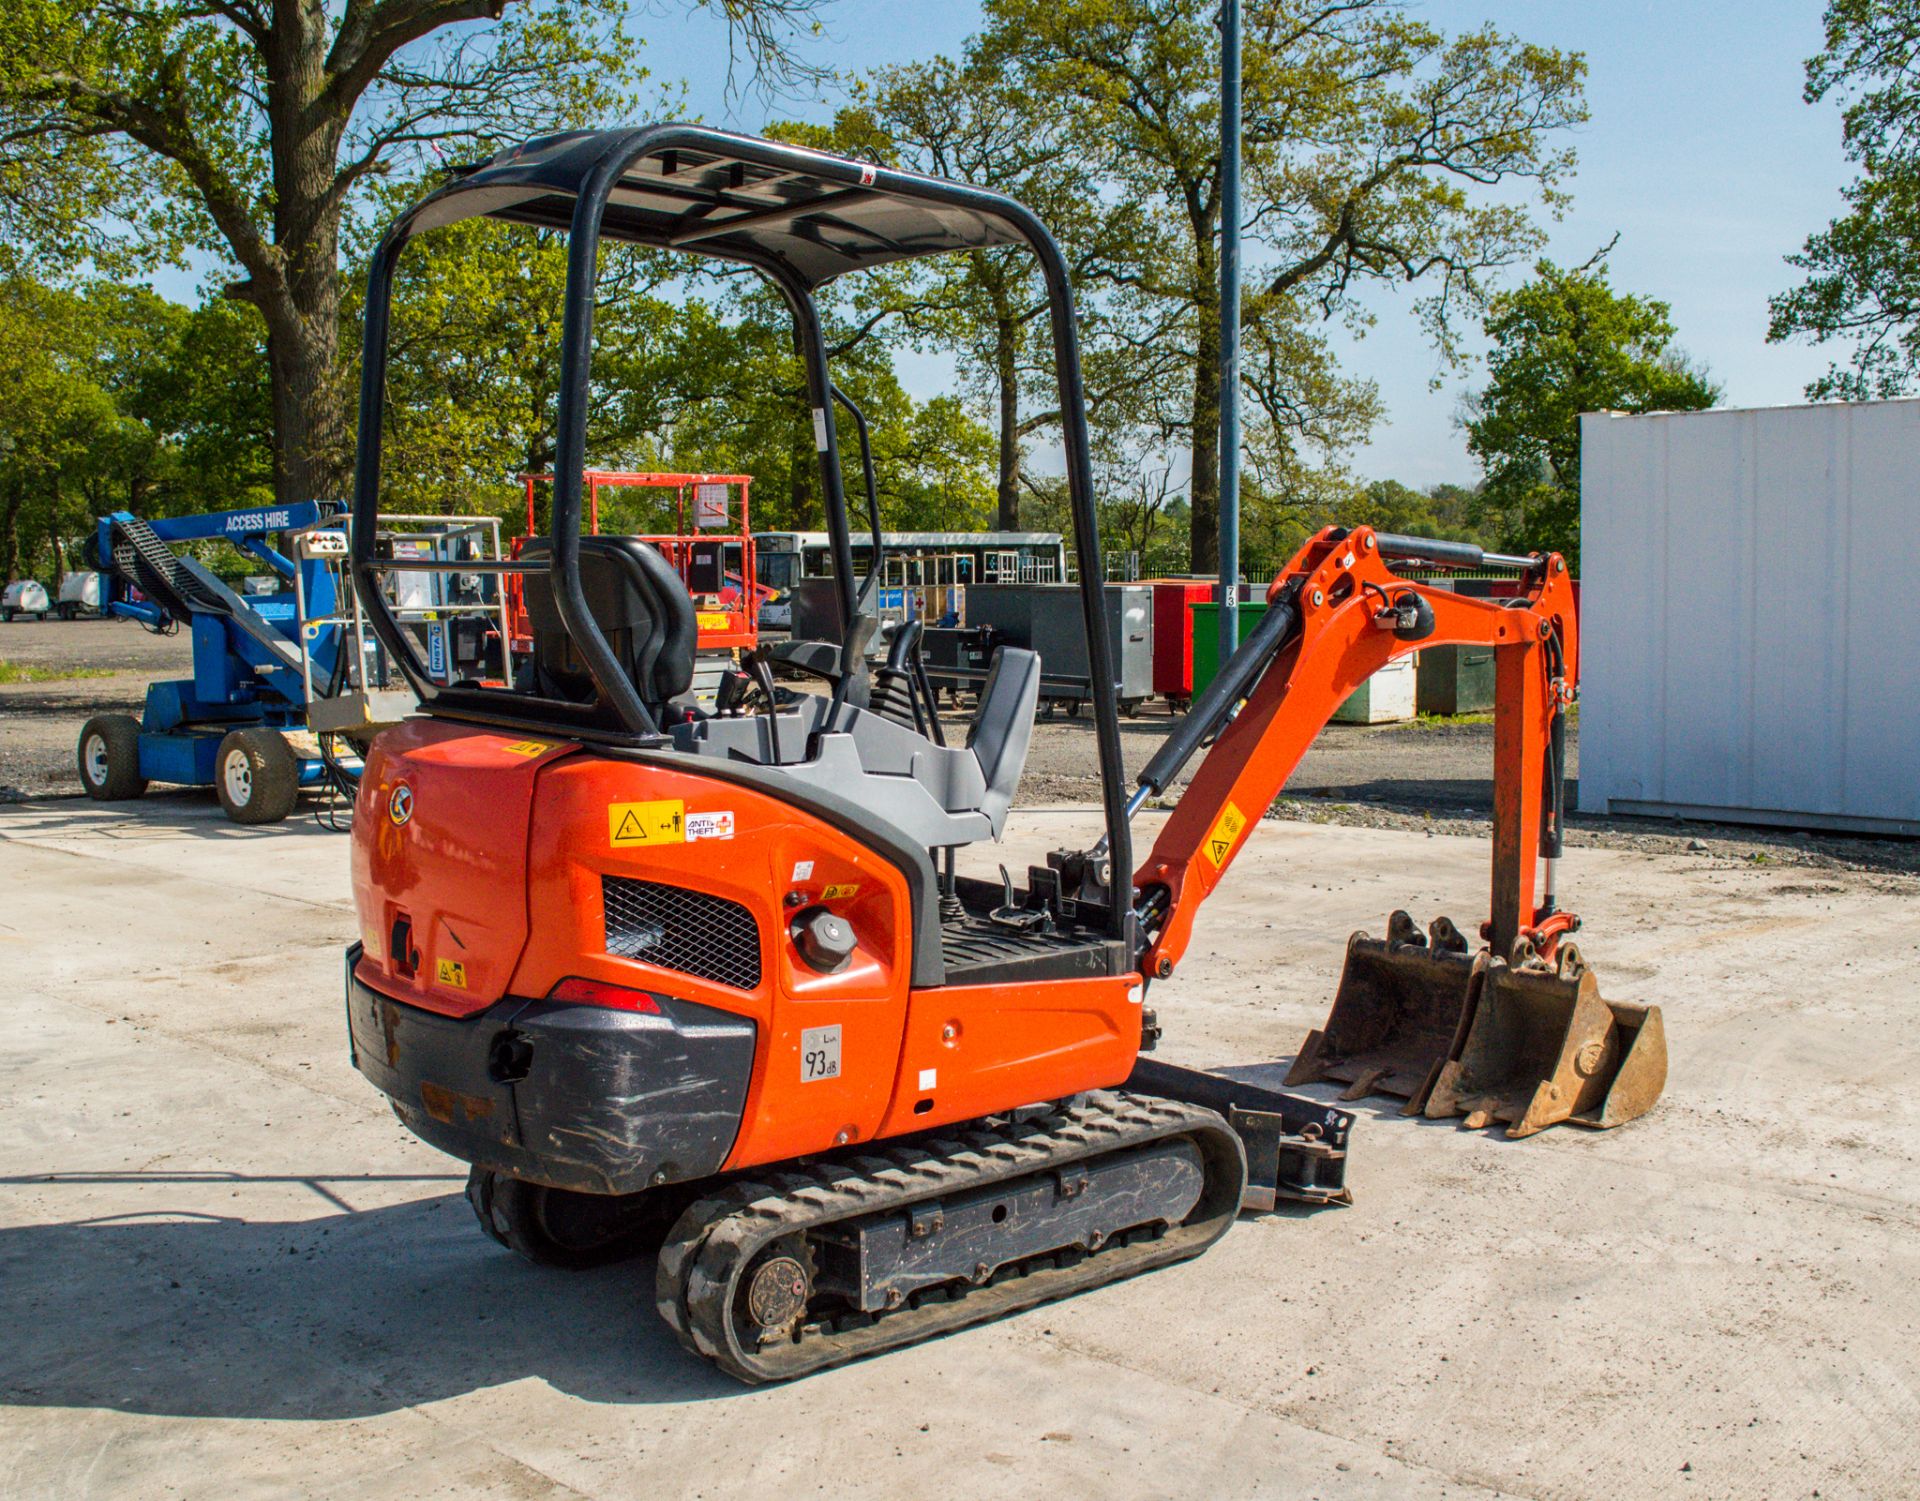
[(639, 604)]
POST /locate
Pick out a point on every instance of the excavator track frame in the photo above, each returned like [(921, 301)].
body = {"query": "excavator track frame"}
[(703, 1267)]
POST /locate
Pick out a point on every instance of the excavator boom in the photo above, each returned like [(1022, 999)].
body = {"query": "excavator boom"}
[(1503, 1025)]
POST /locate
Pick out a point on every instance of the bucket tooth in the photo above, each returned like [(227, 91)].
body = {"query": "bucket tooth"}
[(1543, 1046), (1402, 1004)]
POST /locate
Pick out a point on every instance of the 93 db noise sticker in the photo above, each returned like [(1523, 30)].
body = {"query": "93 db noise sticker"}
[(819, 1054)]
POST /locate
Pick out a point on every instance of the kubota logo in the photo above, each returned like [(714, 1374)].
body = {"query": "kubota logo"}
[(400, 803)]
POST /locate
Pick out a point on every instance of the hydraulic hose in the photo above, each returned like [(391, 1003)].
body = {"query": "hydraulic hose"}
[(1553, 811)]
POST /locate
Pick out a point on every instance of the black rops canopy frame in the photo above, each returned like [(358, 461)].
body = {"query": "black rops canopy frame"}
[(801, 218)]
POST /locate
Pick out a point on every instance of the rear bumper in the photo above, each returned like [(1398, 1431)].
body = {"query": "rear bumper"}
[(579, 1097)]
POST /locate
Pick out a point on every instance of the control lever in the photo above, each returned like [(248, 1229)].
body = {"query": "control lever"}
[(732, 690), (756, 662)]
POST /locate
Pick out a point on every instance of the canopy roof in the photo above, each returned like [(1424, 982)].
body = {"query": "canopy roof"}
[(819, 216)]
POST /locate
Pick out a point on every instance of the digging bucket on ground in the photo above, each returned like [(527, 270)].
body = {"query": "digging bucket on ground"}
[(1403, 1004), (1543, 1046)]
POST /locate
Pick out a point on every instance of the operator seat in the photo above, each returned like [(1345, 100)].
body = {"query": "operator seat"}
[(934, 796), (641, 607)]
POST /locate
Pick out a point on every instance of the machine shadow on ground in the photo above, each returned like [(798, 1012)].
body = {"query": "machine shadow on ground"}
[(187, 1314)]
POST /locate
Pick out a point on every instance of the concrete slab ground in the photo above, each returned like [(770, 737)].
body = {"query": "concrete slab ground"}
[(226, 1271)]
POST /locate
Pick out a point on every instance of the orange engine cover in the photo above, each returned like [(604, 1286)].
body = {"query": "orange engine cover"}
[(492, 864)]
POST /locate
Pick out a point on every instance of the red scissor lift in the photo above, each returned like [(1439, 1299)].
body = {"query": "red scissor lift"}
[(727, 615)]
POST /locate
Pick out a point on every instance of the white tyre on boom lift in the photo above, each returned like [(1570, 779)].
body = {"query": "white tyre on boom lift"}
[(256, 776), (109, 757)]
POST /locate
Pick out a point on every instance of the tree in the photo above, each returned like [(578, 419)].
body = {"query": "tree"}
[(1370, 142), (1389, 506), (970, 122), (257, 124), (121, 400), (1863, 269), (1563, 344)]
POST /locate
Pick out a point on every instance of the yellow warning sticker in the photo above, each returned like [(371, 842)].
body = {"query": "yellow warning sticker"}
[(1227, 829), (450, 972), (663, 822), (837, 893), (711, 620), (527, 748)]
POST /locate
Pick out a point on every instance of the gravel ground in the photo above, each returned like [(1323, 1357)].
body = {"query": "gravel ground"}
[(227, 1272), (1434, 777), (40, 722)]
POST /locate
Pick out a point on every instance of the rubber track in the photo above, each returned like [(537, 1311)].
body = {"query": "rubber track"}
[(717, 1238)]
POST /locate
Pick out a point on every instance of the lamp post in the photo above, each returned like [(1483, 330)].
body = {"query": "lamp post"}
[(1229, 328)]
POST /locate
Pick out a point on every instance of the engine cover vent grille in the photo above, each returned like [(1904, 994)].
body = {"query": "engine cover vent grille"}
[(688, 931)]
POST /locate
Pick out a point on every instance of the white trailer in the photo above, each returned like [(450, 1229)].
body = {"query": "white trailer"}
[(1750, 643), (81, 593)]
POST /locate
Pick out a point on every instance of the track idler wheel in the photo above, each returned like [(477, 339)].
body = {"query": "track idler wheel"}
[(1402, 1004), (557, 1227), (774, 1293), (1543, 1046)]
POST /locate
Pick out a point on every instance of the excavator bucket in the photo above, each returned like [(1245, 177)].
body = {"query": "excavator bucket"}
[(1543, 1046), (1402, 1006)]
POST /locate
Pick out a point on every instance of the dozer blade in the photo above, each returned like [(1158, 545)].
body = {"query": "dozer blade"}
[(1544, 1046), (1402, 1005)]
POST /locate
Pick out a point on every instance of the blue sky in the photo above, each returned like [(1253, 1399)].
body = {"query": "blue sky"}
[(1700, 152)]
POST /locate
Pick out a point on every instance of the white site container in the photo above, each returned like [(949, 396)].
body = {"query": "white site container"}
[(1750, 640), (1385, 698)]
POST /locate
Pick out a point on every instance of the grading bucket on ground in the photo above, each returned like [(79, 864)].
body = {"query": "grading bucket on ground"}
[(1543, 1046), (1400, 1008)]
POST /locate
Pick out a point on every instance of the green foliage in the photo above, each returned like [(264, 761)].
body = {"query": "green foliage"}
[(974, 121), (1563, 344), (692, 372), (1373, 148), (277, 138), (253, 131), (1863, 269), (1389, 506), (119, 399)]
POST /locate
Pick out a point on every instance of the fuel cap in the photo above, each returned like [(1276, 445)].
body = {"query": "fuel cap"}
[(825, 941)]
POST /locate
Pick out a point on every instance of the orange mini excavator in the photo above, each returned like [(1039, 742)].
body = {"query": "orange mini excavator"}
[(709, 976)]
